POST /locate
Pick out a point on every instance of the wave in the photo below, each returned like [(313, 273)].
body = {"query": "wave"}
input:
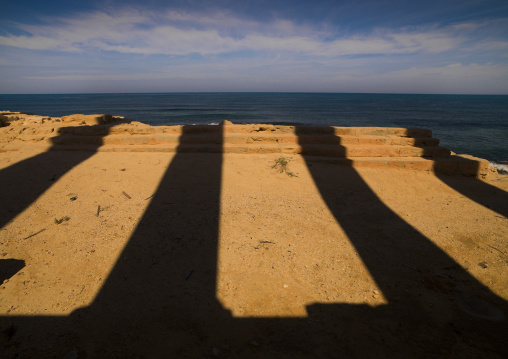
[(501, 166)]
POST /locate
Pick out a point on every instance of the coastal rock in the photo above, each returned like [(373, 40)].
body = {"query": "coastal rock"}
[(7, 118), (89, 119)]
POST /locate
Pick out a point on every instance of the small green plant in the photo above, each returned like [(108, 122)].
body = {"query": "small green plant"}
[(58, 221), (281, 165)]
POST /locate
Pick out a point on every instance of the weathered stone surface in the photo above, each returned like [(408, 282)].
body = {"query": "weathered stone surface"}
[(89, 120), (378, 147)]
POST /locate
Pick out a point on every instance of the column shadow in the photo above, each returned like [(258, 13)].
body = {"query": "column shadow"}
[(473, 188), (9, 267), (477, 190), (23, 182), (160, 298), (432, 301)]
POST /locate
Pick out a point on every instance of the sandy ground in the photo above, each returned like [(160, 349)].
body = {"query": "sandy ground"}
[(210, 255)]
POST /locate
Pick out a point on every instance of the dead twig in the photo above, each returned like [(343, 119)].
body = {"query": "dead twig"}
[(497, 249), (36, 233), (126, 195)]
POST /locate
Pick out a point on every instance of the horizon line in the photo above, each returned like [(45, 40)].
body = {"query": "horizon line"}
[(258, 92)]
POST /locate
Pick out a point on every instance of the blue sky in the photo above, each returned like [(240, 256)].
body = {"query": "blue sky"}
[(443, 46)]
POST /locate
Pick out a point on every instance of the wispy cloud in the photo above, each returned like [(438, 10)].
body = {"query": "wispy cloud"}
[(180, 33), (166, 49)]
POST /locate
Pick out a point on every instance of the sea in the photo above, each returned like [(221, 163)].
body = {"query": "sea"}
[(466, 124)]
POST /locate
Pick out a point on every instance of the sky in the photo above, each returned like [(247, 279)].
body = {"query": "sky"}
[(354, 46)]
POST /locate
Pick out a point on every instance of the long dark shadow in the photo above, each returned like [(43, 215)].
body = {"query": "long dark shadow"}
[(477, 190), (160, 296), (434, 299), (23, 182), (9, 267), (472, 187)]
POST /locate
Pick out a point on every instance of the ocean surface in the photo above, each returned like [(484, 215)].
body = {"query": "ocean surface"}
[(471, 124)]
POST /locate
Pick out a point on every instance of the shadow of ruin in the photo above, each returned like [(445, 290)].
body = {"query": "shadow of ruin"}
[(160, 299)]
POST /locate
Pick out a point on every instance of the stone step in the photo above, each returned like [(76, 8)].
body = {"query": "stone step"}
[(453, 165), (101, 130), (448, 165), (235, 138), (311, 149)]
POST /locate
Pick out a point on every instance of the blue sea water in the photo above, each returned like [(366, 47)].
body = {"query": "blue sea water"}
[(472, 124)]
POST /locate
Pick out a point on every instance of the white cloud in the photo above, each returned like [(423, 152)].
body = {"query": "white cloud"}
[(348, 74), (275, 55), (178, 33), (432, 41), (36, 43)]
